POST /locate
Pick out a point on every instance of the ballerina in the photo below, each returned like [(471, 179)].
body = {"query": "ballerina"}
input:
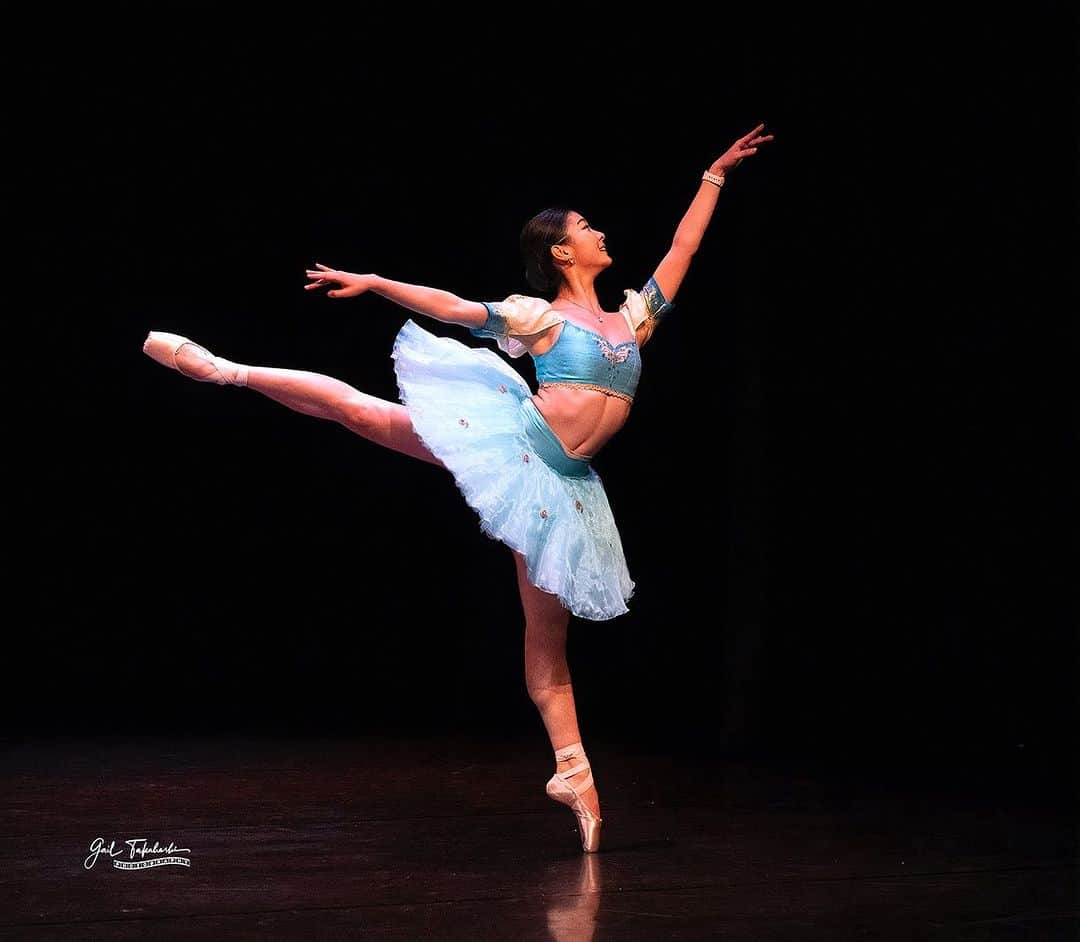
[(520, 459)]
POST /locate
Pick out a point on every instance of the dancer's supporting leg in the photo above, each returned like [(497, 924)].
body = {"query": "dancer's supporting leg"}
[(547, 674), (378, 420)]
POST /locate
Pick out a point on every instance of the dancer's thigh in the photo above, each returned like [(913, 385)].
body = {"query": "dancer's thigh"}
[(542, 609), (388, 424)]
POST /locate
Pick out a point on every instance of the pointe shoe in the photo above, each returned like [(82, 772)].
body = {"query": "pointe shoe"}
[(560, 788), (163, 348)]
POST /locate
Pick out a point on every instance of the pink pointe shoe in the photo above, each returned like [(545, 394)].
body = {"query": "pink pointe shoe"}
[(559, 788), (164, 347)]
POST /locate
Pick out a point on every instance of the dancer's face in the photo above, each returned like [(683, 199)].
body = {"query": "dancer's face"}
[(584, 244)]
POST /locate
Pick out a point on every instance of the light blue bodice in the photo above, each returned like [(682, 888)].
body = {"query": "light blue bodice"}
[(584, 357), (579, 356)]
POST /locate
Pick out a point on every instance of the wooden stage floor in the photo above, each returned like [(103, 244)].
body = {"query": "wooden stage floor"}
[(443, 838)]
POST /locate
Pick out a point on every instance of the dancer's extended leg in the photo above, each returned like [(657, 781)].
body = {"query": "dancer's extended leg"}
[(379, 420), (547, 674)]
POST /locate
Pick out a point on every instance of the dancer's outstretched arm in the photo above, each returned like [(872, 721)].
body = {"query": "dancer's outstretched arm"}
[(434, 302), (672, 269)]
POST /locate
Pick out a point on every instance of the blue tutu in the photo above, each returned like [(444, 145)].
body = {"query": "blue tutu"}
[(475, 413)]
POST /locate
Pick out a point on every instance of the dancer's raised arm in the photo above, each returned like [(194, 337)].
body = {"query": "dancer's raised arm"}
[(434, 302), (672, 269)]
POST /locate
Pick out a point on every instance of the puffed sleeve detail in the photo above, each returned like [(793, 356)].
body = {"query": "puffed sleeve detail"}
[(516, 316), (648, 303)]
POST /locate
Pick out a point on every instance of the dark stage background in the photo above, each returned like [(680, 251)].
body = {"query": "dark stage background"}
[(845, 491)]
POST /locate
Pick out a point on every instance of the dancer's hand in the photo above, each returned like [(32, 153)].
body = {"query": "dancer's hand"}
[(351, 285), (745, 146)]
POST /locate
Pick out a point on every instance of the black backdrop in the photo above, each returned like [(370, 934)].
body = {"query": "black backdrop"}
[(844, 491)]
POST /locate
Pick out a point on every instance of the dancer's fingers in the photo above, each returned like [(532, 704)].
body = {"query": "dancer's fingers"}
[(321, 277)]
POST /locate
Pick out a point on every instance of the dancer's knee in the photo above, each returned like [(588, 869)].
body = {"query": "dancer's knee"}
[(363, 414), (547, 670), (542, 694)]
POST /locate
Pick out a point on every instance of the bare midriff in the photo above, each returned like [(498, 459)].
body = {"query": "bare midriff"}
[(583, 419)]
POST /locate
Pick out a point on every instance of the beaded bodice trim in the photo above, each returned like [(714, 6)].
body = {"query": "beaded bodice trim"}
[(616, 353), (606, 390)]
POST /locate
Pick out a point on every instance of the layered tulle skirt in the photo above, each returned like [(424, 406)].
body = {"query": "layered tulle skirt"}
[(475, 413)]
